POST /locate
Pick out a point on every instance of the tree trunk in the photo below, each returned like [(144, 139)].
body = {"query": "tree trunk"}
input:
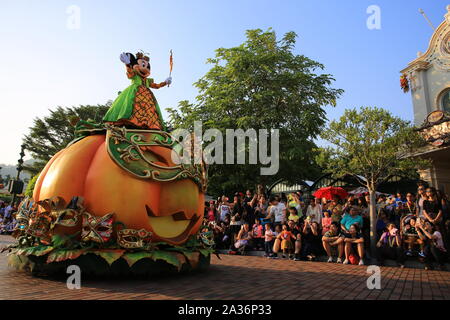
[(373, 221)]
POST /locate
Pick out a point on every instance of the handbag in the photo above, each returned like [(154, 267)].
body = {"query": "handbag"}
[(353, 258)]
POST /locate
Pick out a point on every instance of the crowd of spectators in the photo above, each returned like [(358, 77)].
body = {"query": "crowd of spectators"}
[(7, 218), (414, 226)]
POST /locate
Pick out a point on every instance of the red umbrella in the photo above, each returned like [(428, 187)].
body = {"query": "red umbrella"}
[(329, 192)]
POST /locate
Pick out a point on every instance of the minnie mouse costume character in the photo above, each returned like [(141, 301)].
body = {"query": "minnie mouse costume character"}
[(136, 106)]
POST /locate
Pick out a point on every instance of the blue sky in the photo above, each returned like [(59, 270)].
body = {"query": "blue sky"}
[(45, 64)]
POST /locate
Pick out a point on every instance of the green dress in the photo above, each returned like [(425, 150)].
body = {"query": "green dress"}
[(136, 106)]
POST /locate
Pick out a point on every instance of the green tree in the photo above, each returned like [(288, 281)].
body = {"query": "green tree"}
[(51, 133), (30, 186), (262, 84), (371, 145)]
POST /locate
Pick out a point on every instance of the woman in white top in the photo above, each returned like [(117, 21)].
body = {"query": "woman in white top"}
[(314, 211)]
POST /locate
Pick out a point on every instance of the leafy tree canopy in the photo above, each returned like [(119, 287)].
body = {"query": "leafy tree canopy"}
[(50, 134), (262, 84)]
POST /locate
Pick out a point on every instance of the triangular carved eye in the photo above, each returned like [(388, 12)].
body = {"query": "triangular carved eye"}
[(150, 212), (179, 216)]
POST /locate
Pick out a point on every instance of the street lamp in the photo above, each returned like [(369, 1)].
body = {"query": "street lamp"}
[(16, 186)]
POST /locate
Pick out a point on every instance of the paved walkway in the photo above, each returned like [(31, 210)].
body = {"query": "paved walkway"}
[(241, 277)]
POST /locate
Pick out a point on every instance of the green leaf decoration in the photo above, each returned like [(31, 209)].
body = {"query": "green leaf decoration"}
[(109, 255), (173, 258), (59, 240), (133, 257), (193, 258), (63, 254), (206, 252), (36, 251)]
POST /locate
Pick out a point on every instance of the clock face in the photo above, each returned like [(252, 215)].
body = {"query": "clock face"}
[(446, 44)]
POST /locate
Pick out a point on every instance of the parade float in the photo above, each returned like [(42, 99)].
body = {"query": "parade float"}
[(115, 201)]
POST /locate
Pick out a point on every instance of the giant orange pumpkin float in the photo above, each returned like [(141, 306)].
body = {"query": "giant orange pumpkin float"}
[(118, 192), (171, 210)]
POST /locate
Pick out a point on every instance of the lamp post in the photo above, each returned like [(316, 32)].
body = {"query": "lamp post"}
[(19, 169)]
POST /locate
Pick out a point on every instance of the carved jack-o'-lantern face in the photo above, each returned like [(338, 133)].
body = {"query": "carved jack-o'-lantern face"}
[(171, 210)]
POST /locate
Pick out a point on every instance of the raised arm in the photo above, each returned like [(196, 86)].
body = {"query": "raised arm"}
[(168, 81)]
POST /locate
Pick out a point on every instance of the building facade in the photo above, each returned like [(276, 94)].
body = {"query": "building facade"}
[(428, 79)]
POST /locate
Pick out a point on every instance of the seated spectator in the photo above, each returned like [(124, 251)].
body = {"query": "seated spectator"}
[(433, 244), (333, 239), (382, 223), (389, 246), (350, 219), (326, 222), (258, 235), (297, 241), (244, 238), (311, 236), (354, 244), (269, 237), (224, 236), (410, 235)]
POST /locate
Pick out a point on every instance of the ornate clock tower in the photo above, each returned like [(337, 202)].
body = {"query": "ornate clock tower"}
[(428, 79)]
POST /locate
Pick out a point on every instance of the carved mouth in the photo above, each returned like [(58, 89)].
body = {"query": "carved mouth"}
[(175, 227)]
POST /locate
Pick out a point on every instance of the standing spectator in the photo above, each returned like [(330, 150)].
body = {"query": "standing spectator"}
[(282, 201), (269, 237), (261, 206), (333, 239), (354, 243), (433, 244), (210, 211), (432, 208), (249, 204), (421, 197), (236, 217), (445, 205), (275, 211), (224, 208), (314, 211), (336, 209), (389, 246)]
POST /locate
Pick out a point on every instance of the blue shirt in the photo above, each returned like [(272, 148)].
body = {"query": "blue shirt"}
[(348, 220)]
